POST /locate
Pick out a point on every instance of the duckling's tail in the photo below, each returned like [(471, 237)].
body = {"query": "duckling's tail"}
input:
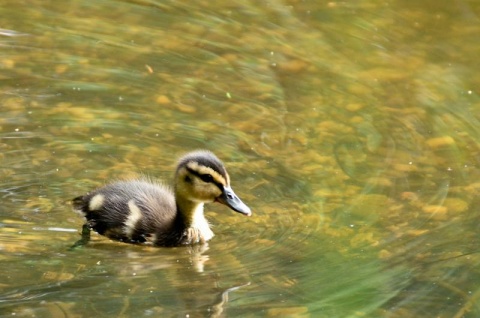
[(79, 205)]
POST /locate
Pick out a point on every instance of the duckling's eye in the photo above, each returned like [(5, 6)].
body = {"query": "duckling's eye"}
[(206, 178)]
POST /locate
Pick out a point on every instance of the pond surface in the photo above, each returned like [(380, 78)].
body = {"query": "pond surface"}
[(351, 130)]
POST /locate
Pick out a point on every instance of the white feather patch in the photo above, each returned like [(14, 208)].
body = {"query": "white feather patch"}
[(132, 219), (96, 202)]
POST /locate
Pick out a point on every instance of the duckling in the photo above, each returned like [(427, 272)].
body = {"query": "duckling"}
[(143, 211)]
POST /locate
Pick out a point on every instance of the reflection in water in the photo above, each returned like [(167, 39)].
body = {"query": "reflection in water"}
[(353, 125), (145, 275), (217, 308)]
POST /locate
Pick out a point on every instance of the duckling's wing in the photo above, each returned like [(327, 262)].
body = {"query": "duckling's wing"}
[(128, 210)]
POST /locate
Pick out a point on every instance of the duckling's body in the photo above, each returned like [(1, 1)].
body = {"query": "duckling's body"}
[(138, 211)]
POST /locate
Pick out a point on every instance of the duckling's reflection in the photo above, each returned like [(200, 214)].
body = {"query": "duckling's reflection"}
[(192, 277)]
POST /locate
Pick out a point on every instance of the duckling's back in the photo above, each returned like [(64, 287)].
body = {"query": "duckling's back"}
[(131, 211)]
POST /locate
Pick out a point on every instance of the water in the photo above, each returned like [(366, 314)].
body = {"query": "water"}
[(351, 130)]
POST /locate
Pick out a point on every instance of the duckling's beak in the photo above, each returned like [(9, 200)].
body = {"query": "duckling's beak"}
[(230, 199)]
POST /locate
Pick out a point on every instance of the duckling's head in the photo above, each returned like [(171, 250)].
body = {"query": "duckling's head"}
[(201, 178)]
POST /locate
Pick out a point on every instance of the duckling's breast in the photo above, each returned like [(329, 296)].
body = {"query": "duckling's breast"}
[(132, 211)]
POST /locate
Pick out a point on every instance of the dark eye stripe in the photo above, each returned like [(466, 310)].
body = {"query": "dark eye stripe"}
[(206, 178)]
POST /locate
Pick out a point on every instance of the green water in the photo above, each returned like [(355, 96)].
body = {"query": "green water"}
[(350, 129)]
